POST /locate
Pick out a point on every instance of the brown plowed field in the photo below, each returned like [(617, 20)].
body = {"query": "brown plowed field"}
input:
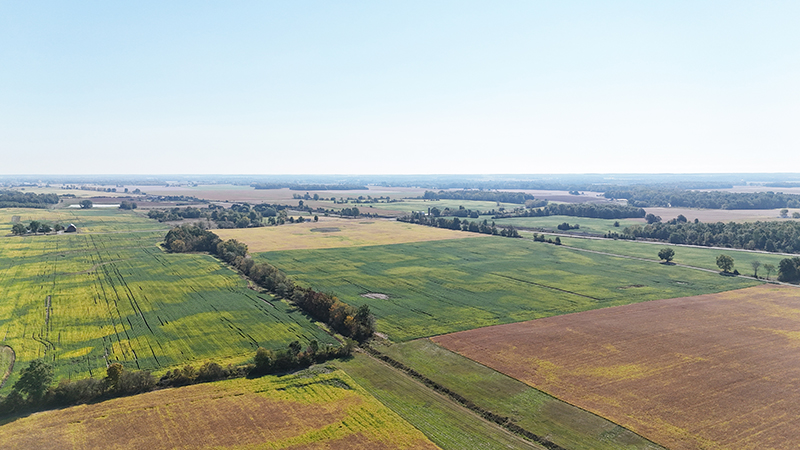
[(717, 371)]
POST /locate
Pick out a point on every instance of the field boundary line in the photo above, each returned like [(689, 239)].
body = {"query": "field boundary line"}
[(501, 421)]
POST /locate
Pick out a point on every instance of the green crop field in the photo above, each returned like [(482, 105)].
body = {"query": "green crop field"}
[(542, 414), (588, 225), (84, 300), (431, 288), (95, 220), (692, 256), (446, 423)]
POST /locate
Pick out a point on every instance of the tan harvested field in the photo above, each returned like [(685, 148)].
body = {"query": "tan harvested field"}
[(563, 196), (717, 371), (334, 233), (752, 189), (236, 193), (322, 411), (720, 215)]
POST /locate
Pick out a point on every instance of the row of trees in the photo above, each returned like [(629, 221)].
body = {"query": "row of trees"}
[(490, 196), (15, 199), (34, 390), (35, 226), (769, 236), (652, 197), (458, 224), (594, 210), (356, 323)]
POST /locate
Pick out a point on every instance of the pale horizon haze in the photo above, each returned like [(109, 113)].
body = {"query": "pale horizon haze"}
[(412, 87)]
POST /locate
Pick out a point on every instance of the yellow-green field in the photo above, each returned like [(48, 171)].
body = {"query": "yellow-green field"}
[(84, 300), (110, 220), (335, 233), (310, 409)]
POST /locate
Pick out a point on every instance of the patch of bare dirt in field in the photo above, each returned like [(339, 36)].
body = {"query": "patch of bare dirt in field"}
[(717, 371), (376, 296)]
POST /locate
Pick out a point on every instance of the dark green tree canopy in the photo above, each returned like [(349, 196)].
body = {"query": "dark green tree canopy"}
[(725, 263), (35, 379), (666, 254)]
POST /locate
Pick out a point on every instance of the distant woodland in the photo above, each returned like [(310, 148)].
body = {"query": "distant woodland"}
[(649, 197), (17, 199)]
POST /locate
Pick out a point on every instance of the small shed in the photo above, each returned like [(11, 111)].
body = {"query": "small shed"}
[(71, 228)]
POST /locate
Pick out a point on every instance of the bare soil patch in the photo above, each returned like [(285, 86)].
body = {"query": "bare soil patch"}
[(717, 371), (7, 358), (376, 295)]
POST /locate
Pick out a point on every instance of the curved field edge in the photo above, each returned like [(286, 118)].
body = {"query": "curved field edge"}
[(7, 358), (533, 410), (716, 371), (308, 409), (439, 287)]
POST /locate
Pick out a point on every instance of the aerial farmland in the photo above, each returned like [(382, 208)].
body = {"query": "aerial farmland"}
[(580, 338)]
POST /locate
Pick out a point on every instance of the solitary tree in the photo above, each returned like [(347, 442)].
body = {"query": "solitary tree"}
[(666, 254), (725, 263), (769, 268), (755, 265), (86, 204)]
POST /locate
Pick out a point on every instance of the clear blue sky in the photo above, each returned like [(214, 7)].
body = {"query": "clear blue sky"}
[(399, 87)]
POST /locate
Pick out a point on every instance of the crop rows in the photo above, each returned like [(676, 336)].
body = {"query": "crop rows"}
[(83, 301), (444, 286)]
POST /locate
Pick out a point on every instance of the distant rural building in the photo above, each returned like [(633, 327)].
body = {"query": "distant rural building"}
[(71, 228)]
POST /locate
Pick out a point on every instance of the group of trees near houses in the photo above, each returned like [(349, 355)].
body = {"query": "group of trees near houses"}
[(490, 196), (34, 227), (15, 199), (458, 224), (769, 236), (355, 323), (679, 198), (593, 210)]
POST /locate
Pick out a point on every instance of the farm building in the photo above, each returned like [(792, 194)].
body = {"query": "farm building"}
[(71, 228)]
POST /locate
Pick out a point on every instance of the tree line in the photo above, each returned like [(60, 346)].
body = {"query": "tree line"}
[(34, 390), (769, 236), (593, 210), (10, 198), (34, 227), (458, 224), (653, 197), (490, 196), (355, 323)]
